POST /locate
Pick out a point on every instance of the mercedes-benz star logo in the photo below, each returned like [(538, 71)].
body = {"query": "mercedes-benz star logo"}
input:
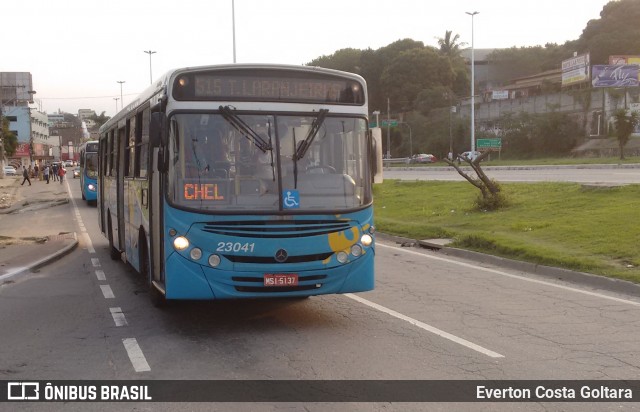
[(281, 255)]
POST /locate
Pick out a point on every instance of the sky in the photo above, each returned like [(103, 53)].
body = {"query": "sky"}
[(77, 51)]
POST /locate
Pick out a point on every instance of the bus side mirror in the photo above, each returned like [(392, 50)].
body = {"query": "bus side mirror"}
[(375, 149), (158, 130)]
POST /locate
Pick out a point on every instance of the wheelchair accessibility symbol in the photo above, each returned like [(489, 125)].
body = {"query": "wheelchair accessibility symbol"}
[(291, 199)]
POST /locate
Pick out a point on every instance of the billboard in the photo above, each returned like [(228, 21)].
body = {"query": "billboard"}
[(22, 150), (624, 59), (621, 75), (575, 70), (499, 94)]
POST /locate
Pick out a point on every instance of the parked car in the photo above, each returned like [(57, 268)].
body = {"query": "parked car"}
[(76, 172), (68, 163), (10, 171), (423, 158)]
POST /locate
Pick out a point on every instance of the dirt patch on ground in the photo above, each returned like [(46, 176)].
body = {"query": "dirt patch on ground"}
[(9, 241)]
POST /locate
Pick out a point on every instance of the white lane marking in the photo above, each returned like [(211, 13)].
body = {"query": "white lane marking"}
[(81, 225), (107, 292), (13, 272), (87, 240), (100, 275), (426, 327), (136, 356), (509, 275), (118, 317), (95, 262)]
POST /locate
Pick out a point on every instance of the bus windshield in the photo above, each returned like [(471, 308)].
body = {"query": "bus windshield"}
[(91, 165), (268, 162)]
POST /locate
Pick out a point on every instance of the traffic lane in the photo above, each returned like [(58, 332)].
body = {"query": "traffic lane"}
[(188, 318), (599, 175), (323, 337), (55, 325), (547, 330), (544, 329)]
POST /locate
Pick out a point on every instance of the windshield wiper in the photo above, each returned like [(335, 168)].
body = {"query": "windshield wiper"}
[(313, 131), (244, 128), (273, 168)]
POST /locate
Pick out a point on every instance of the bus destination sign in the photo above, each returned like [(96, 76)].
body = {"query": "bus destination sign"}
[(263, 86)]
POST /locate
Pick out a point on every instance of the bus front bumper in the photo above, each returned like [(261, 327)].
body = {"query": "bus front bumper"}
[(185, 279)]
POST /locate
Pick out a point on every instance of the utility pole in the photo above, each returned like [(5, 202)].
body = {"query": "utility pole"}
[(150, 52), (473, 65), (233, 24), (121, 100), (388, 129)]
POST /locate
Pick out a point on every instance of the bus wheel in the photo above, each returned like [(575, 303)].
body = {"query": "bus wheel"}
[(114, 253)]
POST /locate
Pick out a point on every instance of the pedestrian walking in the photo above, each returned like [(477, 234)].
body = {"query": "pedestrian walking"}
[(25, 174), (46, 173), (61, 173), (54, 169), (35, 171)]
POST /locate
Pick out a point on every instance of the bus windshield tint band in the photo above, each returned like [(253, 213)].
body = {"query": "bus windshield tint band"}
[(249, 85)]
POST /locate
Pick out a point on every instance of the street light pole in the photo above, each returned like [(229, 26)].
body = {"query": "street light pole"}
[(121, 99), (116, 99), (150, 52), (388, 129), (473, 65), (233, 24), (410, 139)]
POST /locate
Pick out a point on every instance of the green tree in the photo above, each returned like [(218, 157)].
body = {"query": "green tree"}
[(433, 98), (625, 123), (101, 119), (347, 60), (615, 32), (412, 72), (9, 139), (374, 62), (449, 46)]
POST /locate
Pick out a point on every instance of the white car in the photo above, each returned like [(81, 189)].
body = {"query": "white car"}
[(10, 171), (68, 163), (470, 155)]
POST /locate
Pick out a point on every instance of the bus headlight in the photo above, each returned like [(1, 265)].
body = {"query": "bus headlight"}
[(195, 253), (342, 257), (366, 240), (214, 261), (180, 243), (91, 187), (356, 250)]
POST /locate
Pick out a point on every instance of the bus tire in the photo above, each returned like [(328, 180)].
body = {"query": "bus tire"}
[(113, 252)]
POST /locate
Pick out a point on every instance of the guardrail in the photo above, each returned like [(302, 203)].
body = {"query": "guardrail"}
[(395, 160)]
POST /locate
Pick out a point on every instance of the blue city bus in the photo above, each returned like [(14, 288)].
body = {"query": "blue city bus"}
[(89, 171), (242, 181)]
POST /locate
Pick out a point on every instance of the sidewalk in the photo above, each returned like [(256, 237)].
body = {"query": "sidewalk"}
[(35, 225)]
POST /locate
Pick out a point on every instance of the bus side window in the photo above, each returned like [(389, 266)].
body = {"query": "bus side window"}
[(142, 143)]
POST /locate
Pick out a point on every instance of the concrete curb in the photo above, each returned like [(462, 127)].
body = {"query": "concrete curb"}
[(43, 261), (515, 167), (564, 275)]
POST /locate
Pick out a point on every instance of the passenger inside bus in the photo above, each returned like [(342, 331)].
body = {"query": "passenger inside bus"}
[(208, 156)]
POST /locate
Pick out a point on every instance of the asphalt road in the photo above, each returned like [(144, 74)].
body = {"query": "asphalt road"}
[(608, 174), (431, 317)]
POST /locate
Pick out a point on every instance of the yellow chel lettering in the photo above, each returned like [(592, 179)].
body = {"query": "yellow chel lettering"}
[(207, 191)]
